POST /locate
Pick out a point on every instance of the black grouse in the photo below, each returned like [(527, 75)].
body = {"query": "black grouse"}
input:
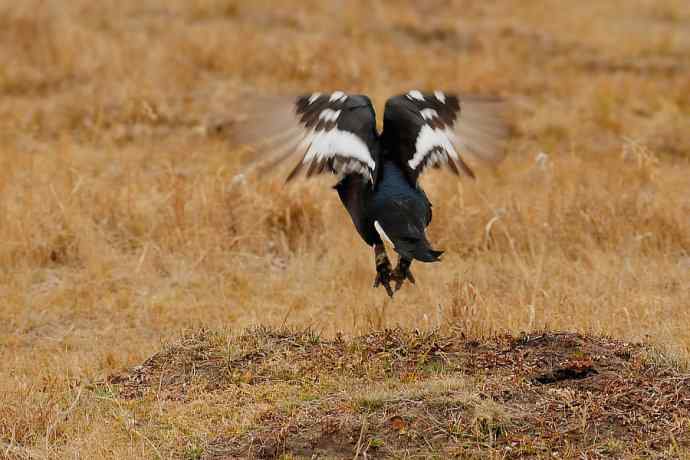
[(336, 133)]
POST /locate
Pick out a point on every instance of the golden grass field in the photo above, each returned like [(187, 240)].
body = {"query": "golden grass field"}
[(121, 226)]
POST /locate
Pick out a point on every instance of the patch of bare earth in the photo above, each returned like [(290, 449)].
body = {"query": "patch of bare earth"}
[(412, 394)]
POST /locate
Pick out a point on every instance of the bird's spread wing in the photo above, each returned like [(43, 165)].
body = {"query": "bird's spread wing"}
[(331, 132), (434, 129)]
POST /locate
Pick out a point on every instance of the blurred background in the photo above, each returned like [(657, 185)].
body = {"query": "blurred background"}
[(120, 225)]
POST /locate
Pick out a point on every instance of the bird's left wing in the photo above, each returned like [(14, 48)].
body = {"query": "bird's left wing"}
[(331, 132), (434, 129)]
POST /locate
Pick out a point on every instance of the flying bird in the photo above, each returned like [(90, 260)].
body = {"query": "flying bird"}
[(379, 172)]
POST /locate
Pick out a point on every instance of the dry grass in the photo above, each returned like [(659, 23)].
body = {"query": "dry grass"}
[(120, 224)]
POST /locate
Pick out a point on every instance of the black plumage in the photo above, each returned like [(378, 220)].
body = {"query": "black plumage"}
[(379, 172)]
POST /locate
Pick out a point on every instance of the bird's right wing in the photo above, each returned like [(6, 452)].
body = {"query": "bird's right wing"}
[(332, 132), (433, 129)]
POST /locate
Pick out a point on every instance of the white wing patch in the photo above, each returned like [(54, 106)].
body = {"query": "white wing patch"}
[(314, 97), (440, 96), (321, 145), (329, 115), (429, 139), (415, 94), (338, 96), (428, 114)]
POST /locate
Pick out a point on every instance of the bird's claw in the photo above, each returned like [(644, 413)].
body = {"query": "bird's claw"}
[(400, 274), (383, 269), (383, 277)]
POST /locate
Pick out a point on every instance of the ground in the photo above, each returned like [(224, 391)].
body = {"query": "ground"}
[(124, 231), (415, 395)]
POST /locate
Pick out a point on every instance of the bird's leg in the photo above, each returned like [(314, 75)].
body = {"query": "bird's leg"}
[(402, 272), (383, 269)]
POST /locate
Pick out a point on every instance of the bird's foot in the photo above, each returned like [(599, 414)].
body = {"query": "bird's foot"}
[(401, 273), (383, 272)]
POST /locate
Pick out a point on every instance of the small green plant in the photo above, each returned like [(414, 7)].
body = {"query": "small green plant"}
[(370, 404), (193, 452), (376, 443)]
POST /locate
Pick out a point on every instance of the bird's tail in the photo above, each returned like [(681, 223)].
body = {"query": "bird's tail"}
[(419, 249)]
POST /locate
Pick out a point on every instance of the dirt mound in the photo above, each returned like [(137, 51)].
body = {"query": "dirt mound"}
[(416, 394)]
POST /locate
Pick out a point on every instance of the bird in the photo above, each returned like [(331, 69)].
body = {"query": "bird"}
[(378, 172)]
